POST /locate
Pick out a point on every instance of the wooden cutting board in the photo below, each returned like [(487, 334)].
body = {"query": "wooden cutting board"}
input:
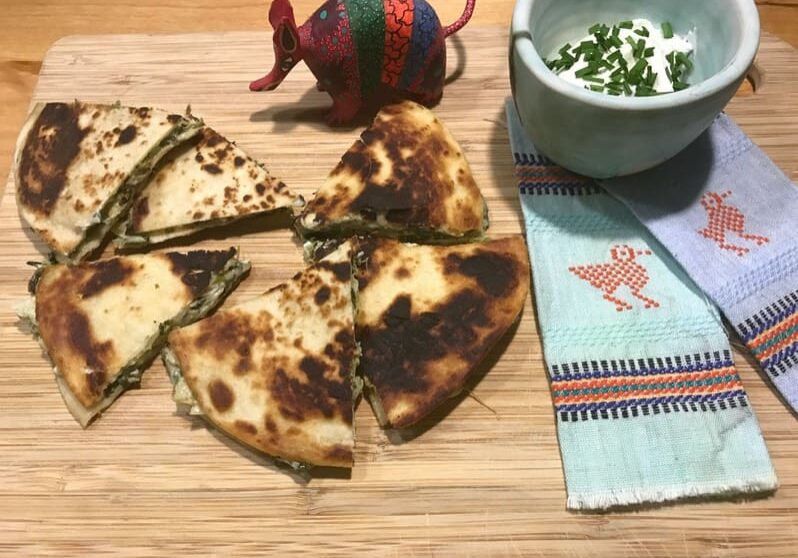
[(482, 477)]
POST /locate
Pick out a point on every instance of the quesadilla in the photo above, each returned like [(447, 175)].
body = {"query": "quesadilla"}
[(208, 183), (102, 322), (79, 166), (406, 177), (427, 316), (276, 372)]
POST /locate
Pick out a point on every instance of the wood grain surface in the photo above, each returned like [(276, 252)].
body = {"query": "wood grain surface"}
[(482, 477)]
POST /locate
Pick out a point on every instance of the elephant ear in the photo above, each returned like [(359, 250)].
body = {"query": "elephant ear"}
[(281, 10)]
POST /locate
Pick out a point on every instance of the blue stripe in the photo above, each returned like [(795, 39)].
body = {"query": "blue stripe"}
[(599, 405), (425, 29), (705, 367)]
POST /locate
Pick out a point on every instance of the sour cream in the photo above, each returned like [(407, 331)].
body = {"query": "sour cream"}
[(658, 62)]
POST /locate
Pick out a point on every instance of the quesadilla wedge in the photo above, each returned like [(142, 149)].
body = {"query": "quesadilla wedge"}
[(208, 183), (102, 322), (79, 166), (405, 177), (427, 316), (275, 373)]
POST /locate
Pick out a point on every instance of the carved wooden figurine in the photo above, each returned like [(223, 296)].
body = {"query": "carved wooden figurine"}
[(361, 50)]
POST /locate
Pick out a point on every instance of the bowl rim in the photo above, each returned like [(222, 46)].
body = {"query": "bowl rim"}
[(521, 41)]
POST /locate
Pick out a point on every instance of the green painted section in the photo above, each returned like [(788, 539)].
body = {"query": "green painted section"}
[(367, 20)]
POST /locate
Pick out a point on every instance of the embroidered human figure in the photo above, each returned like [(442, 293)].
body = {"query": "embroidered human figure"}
[(724, 218), (622, 271)]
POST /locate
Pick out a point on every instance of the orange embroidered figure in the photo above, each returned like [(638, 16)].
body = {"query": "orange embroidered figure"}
[(724, 218), (622, 271)]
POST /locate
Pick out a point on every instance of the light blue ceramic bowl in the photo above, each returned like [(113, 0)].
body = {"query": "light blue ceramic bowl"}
[(602, 136)]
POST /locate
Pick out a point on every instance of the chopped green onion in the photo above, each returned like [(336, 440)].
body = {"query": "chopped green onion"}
[(598, 88), (682, 59), (643, 32), (625, 24), (667, 30), (587, 70), (648, 53), (593, 79)]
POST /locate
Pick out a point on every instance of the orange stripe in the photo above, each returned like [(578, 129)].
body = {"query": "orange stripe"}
[(777, 347), (628, 380), (773, 331), (638, 394)]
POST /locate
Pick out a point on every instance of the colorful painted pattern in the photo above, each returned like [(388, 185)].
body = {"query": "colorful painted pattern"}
[(367, 19), (623, 388), (772, 335), (538, 175), (335, 63), (398, 31)]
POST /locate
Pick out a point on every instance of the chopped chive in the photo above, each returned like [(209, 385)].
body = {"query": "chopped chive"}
[(638, 68), (593, 79), (598, 88), (613, 92), (679, 85), (587, 70), (667, 30), (627, 89), (648, 53), (641, 47), (682, 59), (643, 32), (593, 30), (625, 24)]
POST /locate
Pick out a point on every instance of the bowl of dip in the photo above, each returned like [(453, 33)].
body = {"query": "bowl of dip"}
[(601, 133)]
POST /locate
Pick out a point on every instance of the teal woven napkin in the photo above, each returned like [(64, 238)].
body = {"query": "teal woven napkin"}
[(648, 403)]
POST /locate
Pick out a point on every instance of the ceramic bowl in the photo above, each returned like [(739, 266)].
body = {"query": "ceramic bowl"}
[(602, 136)]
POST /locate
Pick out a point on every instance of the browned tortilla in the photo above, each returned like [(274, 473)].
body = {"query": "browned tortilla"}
[(274, 372), (72, 158), (427, 316), (405, 177), (94, 317)]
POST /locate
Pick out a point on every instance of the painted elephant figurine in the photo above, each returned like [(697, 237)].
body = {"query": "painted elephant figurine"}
[(360, 50)]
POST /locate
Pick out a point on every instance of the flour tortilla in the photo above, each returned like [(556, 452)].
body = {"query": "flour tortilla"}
[(79, 166), (102, 322), (208, 183), (275, 373), (405, 177), (428, 315)]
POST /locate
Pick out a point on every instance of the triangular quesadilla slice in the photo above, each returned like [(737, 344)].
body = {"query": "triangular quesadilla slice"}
[(428, 315), (79, 167), (102, 322), (405, 177), (275, 373), (208, 183)]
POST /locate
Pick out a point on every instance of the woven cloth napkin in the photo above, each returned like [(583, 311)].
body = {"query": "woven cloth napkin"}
[(648, 404), (729, 216)]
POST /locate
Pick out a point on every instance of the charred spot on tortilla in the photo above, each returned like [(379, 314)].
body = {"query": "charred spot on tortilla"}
[(288, 356), (427, 315), (101, 322), (405, 177)]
